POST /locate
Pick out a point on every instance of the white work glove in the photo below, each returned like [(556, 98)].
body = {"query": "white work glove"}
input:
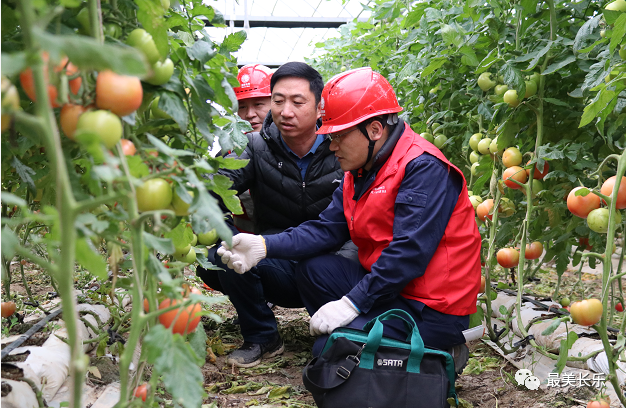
[(332, 315), (246, 252)]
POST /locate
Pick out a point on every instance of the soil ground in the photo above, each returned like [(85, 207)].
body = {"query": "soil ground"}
[(486, 382)]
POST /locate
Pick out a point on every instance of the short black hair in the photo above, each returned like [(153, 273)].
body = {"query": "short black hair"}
[(300, 70)]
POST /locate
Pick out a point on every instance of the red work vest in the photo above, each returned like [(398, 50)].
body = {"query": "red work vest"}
[(452, 279)]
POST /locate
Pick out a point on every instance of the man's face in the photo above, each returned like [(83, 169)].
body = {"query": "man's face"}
[(294, 110), (254, 111), (350, 147)]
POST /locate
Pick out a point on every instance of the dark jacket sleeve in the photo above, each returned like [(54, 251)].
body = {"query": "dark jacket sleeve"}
[(417, 230), (314, 237)]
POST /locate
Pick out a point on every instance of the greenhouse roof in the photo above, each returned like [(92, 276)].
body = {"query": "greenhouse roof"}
[(283, 30)]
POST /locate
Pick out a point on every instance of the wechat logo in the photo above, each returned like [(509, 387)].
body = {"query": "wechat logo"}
[(525, 377)]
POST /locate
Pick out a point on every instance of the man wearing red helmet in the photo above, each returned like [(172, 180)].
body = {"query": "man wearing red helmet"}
[(291, 175), (406, 208), (253, 94)]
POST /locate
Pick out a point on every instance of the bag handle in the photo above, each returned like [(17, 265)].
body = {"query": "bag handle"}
[(376, 334)]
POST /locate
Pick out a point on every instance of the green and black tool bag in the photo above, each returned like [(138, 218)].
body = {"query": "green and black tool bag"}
[(363, 369)]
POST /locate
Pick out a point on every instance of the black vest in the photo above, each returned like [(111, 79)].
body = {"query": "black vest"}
[(282, 199)]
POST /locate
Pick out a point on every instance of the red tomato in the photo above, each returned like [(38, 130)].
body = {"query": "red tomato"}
[(584, 241), (586, 312), (69, 118), (484, 208), (534, 250), (514, 173), (142, 391), (146, 305), (619, 307), (28, 82), (508, 257), (538, 175), (483, 284), (128, 147), (607, 190), (581, 206), (511, 157), (120, 94), (187, 320), (7, 308), (598, 403)]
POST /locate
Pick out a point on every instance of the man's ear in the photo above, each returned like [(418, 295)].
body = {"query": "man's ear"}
[(376, 130), (318, 109)]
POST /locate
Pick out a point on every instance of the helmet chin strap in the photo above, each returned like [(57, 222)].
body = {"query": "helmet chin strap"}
[(370, 148)]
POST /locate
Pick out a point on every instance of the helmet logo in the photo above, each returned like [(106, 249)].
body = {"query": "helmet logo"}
[(245, 78), (322, 103)]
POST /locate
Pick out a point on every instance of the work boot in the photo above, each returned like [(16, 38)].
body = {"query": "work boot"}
[(250, 354)]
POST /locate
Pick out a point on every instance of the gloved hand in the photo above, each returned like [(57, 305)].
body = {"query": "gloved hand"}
[(246, 252), (332, 315)]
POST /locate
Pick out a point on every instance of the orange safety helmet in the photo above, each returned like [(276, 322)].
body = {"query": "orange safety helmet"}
[(255, 82), (353, 96)]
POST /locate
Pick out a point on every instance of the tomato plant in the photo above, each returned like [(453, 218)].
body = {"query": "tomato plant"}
[(586, 312)]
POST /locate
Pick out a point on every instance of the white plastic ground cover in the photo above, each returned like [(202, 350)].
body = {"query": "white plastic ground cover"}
[(48, 364), (582, 346)]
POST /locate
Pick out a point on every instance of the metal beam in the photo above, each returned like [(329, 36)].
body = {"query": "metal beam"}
[(290, 22)]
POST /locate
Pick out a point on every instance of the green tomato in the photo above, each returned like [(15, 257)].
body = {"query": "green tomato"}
[(483, 146), (622, 52), (484, 81), (537, 186), (194, 240), (531, 89), (104, 124), (474, 170), (202, 250), (181, 208), (500, 89), (83, 19), (188, 257), (154, 194), (506, 208), (475, 200), (165, 4), (493, 147), (598, 220), (182, 251), (440, 139), (536, 76), (435, 126), (142, 40), (474, 140), (510, 97), (617, 5), (161, 72), (112, 30), (158, 113), (565, 301), (427, 136), (208, 238), (474, 157)]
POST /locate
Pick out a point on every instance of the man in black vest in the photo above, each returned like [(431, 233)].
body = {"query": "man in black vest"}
[(291, 176)]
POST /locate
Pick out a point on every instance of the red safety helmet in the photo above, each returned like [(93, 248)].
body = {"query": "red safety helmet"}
[(353, 96), (255, 82)]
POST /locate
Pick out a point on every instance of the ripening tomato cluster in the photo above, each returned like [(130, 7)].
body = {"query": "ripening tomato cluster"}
[(583, 203)]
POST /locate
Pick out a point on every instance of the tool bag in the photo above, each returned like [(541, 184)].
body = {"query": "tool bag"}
[(363, 369)]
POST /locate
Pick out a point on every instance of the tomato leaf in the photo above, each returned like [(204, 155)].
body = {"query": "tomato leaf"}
[(560, 64), (89, 259), (233, 41), (162, 245), (584, 32), (14, 63), (176, 362), (553, 326), (201, 51), (599, 103), (197, 340), (476, 319)]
